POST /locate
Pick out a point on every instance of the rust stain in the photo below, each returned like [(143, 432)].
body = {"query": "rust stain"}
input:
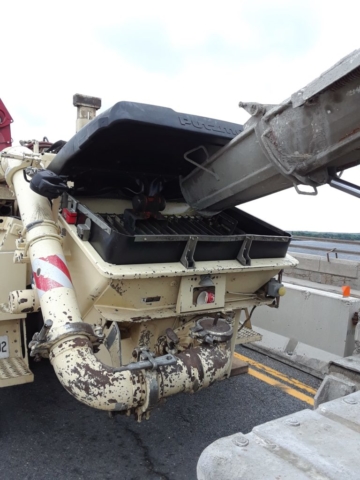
[(145, 338), (118, 287), (356, 130), (191, 359), (79, 342)]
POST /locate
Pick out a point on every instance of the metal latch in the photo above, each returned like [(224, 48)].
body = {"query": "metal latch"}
[(41, 342), (40, 339), (148, 361)]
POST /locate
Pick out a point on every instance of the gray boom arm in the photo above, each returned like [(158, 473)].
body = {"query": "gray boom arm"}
[(305, 140)]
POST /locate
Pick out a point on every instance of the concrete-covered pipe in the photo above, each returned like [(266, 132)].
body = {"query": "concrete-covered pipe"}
[(103, 387), (71, 353), (21, 301), (196, 368), (93, 383), (304, 140)]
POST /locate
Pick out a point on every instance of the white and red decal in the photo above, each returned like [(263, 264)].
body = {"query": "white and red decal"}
[(50, 272)]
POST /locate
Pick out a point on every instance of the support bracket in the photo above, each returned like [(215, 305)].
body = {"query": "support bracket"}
[(187, 258), (243, 256)]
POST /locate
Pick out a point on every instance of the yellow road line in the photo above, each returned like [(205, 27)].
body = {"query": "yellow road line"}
[(281, 386), (275, 373)]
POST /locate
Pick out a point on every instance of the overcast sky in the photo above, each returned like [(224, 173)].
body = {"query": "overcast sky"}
[(198, 57)]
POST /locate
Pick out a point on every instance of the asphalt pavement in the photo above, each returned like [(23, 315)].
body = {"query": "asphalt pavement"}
[(47, 434)]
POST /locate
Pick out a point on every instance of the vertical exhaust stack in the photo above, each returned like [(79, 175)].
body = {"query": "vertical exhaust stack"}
[(86, 109), (305, 140)]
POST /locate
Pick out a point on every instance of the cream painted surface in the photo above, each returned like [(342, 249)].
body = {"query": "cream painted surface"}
[(12, 277), (10, 229)]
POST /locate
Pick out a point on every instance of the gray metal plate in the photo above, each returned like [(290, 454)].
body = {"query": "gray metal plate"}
[(321, 444)]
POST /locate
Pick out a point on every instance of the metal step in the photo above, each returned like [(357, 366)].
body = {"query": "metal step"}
[(247, 335), (14, 371)]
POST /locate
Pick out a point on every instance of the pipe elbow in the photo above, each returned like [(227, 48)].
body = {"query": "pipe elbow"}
[(90, 381), (10, 158)]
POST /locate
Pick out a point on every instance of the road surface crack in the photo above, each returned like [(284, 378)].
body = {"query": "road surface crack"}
[(147, 457)]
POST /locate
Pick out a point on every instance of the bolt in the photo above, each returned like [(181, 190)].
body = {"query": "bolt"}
[(292, 422), (350, 400), (270, 445), (240, 441)]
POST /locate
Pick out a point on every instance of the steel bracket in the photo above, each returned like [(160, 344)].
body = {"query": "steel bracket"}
[(187, 258), (84, 230), (303, 192), (243, 256), (199, 165)]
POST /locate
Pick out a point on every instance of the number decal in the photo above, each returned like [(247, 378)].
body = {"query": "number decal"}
[(4, 346)]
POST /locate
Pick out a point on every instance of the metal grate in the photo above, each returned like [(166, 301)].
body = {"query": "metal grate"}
[(247, 335), (174, 225)]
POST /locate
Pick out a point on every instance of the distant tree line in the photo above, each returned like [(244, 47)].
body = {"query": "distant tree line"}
[(335, 235)]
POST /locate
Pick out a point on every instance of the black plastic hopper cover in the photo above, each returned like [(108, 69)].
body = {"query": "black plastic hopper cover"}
[(133, 143)]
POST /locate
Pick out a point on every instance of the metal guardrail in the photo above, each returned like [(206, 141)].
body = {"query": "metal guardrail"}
[(320, 239), (336, 251)]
